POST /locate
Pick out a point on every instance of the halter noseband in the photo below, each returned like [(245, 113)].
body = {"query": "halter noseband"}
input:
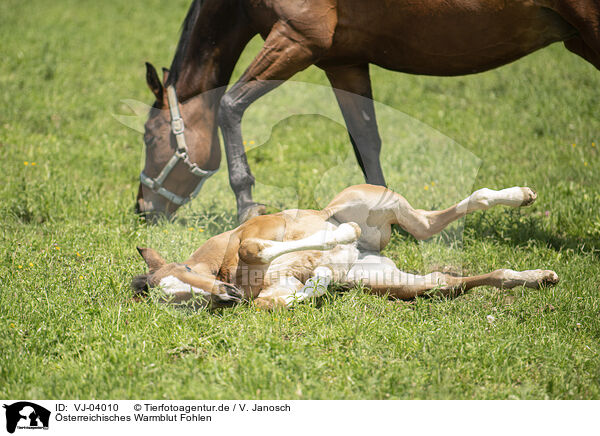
[(181, 154)]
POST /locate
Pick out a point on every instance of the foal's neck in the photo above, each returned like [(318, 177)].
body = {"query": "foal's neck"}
[(215, 253)]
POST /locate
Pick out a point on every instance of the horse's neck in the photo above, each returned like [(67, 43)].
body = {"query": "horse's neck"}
[(215, 43)]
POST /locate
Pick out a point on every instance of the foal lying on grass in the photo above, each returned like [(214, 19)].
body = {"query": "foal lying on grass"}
[(280, 259)]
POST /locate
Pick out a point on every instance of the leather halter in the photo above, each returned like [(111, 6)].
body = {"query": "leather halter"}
[(181, 154)]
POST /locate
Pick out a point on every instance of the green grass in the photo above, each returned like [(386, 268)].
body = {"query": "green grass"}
[(68, 233)]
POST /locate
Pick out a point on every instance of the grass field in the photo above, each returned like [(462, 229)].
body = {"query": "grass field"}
[(68, 233)]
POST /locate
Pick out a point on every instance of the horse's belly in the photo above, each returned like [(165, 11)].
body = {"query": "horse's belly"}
[(443, 38)]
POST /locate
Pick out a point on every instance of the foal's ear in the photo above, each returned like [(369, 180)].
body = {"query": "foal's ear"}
[(152, 258), (153, 82)]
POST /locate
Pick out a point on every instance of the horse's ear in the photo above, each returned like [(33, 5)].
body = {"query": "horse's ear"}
[(153, 83), (152, 258), (165, 75)]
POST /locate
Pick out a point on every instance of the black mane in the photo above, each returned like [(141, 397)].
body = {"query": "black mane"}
[(184, 39)]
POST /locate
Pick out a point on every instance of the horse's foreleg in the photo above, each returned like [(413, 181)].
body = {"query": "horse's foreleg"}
[(284, 53), (352, 88)]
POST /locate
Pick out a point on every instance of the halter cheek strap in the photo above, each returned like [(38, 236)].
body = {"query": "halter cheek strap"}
[(181, 154)]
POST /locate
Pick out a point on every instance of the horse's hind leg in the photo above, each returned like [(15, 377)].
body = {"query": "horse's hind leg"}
[(584, 16), (352, 88), (382, 277), (579, 47), (284, 53)]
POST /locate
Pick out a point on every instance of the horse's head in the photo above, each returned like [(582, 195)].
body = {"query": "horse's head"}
[(182, 284), (168, 181)]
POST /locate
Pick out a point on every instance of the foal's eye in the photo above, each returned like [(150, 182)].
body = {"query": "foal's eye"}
[(187, 268)]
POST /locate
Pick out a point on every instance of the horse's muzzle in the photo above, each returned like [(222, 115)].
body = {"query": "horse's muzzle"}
[(146, 210)]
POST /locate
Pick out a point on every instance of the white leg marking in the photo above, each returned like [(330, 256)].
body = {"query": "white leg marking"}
[(346, 233), (314, 286), (486, 198), (171, 285), (530, 278)]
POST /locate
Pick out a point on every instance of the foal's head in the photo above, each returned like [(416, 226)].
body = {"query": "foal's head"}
[(201, 139), (181, 284)]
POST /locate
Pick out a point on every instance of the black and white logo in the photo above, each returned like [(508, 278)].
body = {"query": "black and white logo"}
[(26, 415)]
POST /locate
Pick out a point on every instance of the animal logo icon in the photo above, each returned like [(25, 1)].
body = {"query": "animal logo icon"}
[(24, 414)]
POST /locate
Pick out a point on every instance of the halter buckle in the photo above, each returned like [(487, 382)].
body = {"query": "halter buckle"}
[(177, 126)]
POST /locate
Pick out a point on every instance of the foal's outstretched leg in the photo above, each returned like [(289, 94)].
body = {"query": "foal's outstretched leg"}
[(423, 224), (407, 286), (381, 276), (375, 209)]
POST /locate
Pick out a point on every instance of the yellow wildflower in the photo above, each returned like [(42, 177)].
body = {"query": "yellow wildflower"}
[(30, 264), (426, 188), (20, 266), (25, 163)]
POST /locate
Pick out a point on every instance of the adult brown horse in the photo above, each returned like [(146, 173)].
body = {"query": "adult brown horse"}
[(432, 37)]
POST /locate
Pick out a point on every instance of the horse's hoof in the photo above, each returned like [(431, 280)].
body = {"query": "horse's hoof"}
[(529, 196), (255, 209)]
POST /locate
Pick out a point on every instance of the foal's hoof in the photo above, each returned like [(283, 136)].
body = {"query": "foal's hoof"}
[(529, 196), (255, 209), (549, 278), (227, 295), (540, 278)]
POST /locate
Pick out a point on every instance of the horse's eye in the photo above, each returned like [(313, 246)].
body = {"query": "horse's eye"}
[(149, 139), (187, 268)]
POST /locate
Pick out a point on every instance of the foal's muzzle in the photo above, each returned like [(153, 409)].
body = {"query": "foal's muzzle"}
[(228, 296)]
